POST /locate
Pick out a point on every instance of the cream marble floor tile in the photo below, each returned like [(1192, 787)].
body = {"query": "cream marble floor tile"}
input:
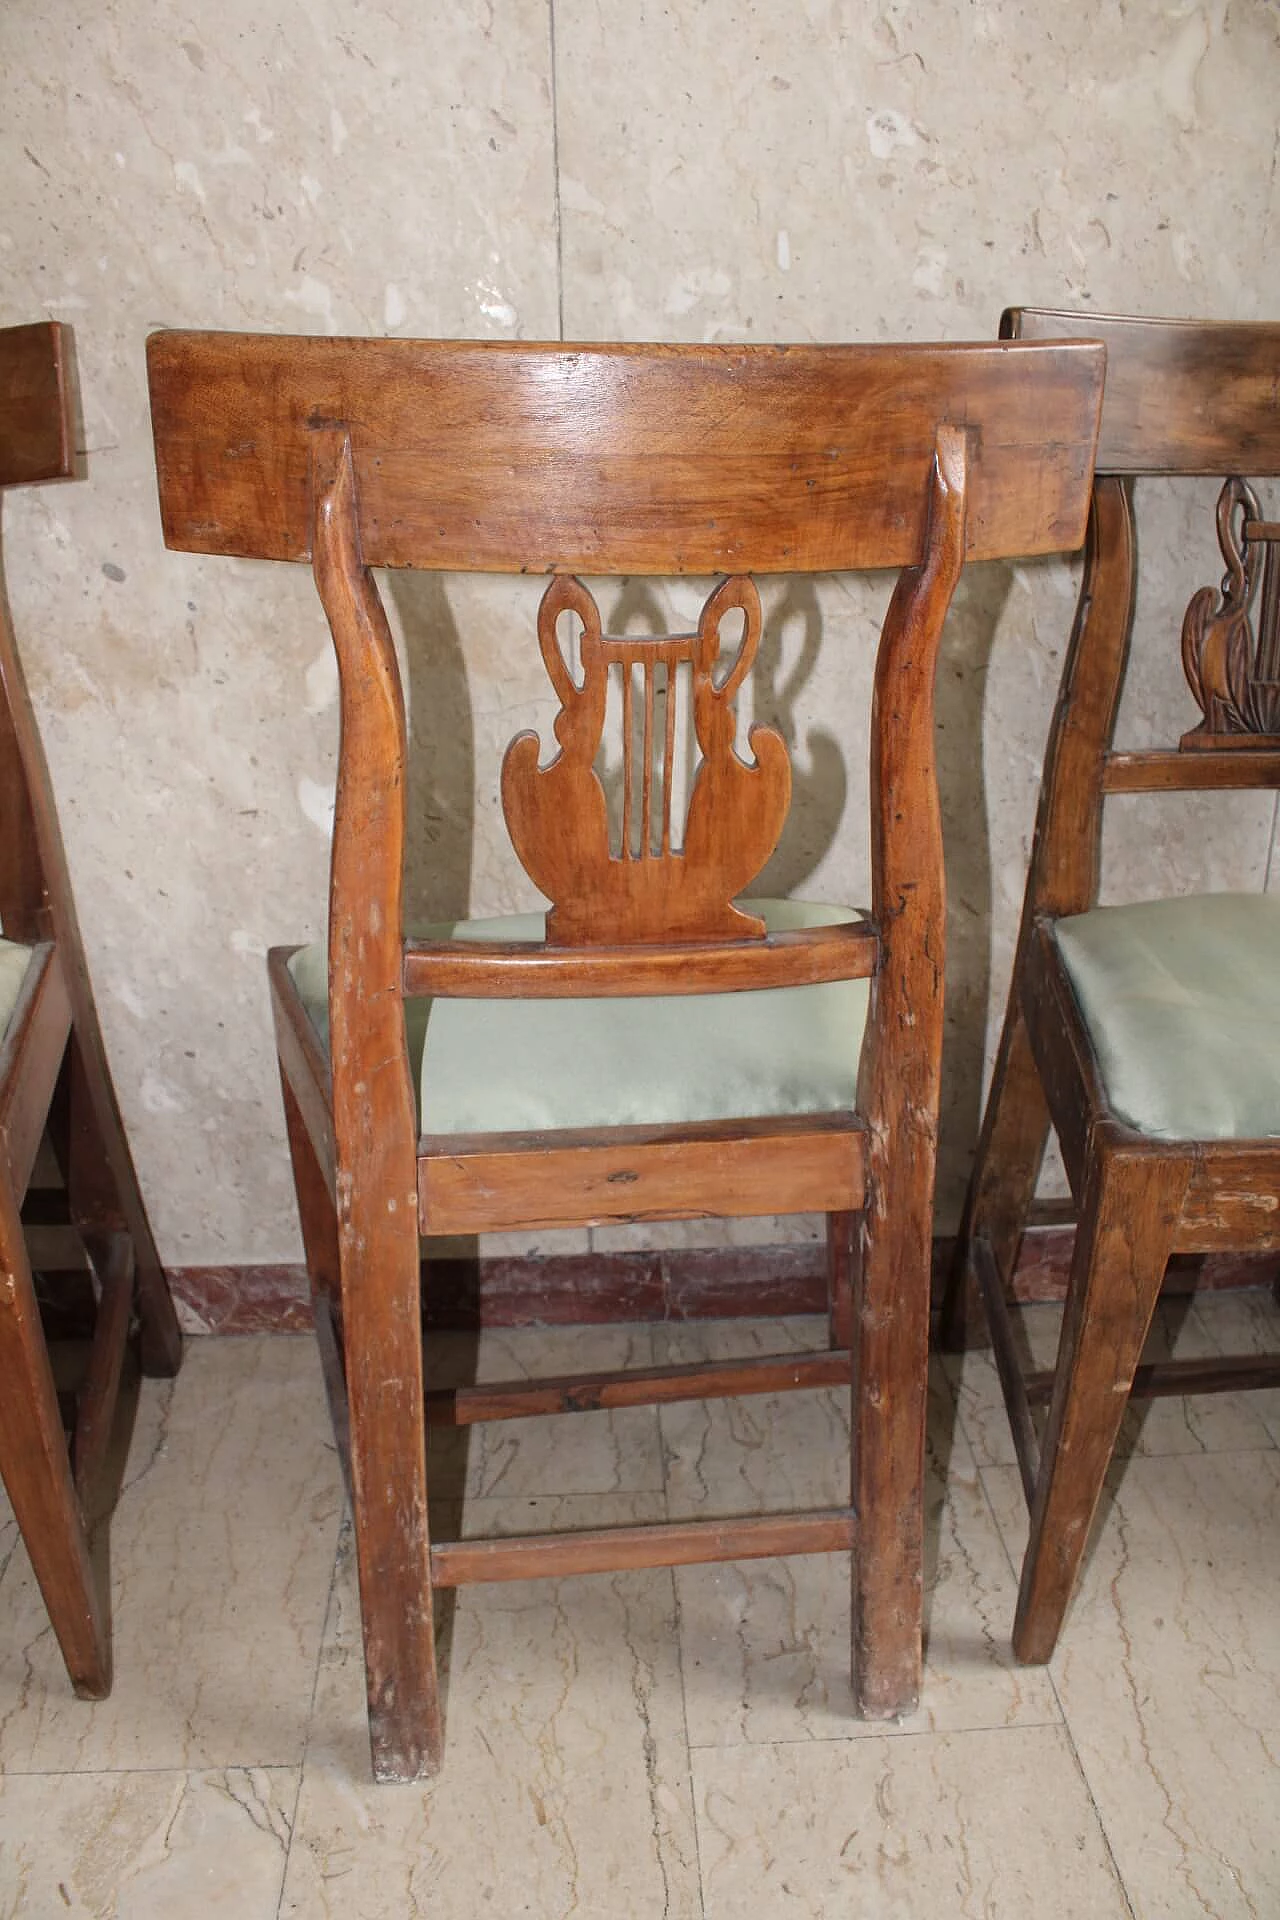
[(1247, 1321), (1168, 1671), (990, 1825), (765, 1643), (145, 1846), (616, 1452), (221, 1558), (1189, 1423), (565, 1786)]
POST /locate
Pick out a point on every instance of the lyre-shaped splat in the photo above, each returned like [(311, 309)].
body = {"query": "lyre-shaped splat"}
[(651, 889), (1237, 683)]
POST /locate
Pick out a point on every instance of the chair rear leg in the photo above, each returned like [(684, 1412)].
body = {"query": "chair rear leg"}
[(1011, 1146), (1130, 1209), (36, 1469), (890, 1381), (103, 1193)]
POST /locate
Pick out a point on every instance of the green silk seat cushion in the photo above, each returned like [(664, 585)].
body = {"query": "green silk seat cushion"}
[(13, 971), (1182, 1002), (502, 1066)]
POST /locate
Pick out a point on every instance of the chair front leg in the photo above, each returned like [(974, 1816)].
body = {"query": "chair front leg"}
[(36, 1469), (1130, 1209)]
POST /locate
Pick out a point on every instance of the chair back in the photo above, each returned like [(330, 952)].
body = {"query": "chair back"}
[(35, 445), (1183, 398)]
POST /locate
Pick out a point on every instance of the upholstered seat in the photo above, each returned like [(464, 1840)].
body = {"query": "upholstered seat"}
[(1182, 1001), (497, 1066), (14, 960)]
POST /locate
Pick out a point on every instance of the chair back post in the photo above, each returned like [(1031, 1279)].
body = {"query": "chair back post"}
[(374, 1125), (36, 444)]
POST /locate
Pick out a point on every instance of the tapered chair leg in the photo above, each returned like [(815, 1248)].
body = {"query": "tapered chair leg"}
[(1129, 1209), (103, 1190), (1002, 1185), (890, 1372), (319, 1225), (37, 1471)]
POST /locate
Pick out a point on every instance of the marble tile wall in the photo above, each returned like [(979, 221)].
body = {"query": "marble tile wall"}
[(586, 168)]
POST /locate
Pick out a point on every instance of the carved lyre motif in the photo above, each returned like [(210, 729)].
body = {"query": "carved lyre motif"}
[(1237, 684), (652, 888)]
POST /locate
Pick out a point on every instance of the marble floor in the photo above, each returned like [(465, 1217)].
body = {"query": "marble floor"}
[(657, 1744)]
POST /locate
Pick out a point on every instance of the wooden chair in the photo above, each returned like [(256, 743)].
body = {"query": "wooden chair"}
[(1147, 1034), (54, 1079), (639, 1037)]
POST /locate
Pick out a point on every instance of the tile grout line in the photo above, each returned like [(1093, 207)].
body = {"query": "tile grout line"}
[(311, 1709), (555, 166), (678, 1618)]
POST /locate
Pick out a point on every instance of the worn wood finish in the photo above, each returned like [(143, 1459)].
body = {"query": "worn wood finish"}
[(35, 404), (374, 1128), (652, 886), (494, 456), (636, 1387), (501, 970), (898, 1086), (1182, 398), (676, 1543), (494, 1183), (649, 460), (1128, 1208), (1161, 1379), (36, 1470), (55, 1081)]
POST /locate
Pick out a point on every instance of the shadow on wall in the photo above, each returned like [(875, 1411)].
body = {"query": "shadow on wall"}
[(440, 804), (967, 644)]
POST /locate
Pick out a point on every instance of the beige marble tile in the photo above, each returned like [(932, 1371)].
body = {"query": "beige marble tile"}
[(1246, 1322), (145, 1846), (1186, 1423), (615, 1452), (221, 1557), (1168, 1670), (979, 1826), (765, 1643), (565, 1786)]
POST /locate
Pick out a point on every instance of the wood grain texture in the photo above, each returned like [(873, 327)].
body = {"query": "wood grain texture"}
[(500, 456), (637, 1387), (35, 404), (374, 1125), (495, 1183), (898, 1091), (1182, 396), (674, 1543), (502, 970), (557, 816)]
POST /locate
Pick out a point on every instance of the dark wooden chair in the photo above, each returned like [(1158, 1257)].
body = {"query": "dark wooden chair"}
[(640, 1037), (1147, 1034), (55, 1083)]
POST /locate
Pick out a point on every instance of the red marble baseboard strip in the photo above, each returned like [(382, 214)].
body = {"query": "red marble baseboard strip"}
[(704, 1283)]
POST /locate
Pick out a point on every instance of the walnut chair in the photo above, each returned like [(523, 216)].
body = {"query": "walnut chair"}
[(651, 1050), (1147, 1034), (55, 1084)]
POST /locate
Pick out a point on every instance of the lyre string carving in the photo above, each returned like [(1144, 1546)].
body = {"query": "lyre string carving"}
[(1237, 683), (557, 816)]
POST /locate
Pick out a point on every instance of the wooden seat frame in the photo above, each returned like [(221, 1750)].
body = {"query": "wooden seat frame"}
[(618, 460), (1182, 398), (54, 1078)]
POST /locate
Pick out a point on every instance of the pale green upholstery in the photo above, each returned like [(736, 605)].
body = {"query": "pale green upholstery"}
[(500, 1066), (13, 971), (1182, 1002)]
